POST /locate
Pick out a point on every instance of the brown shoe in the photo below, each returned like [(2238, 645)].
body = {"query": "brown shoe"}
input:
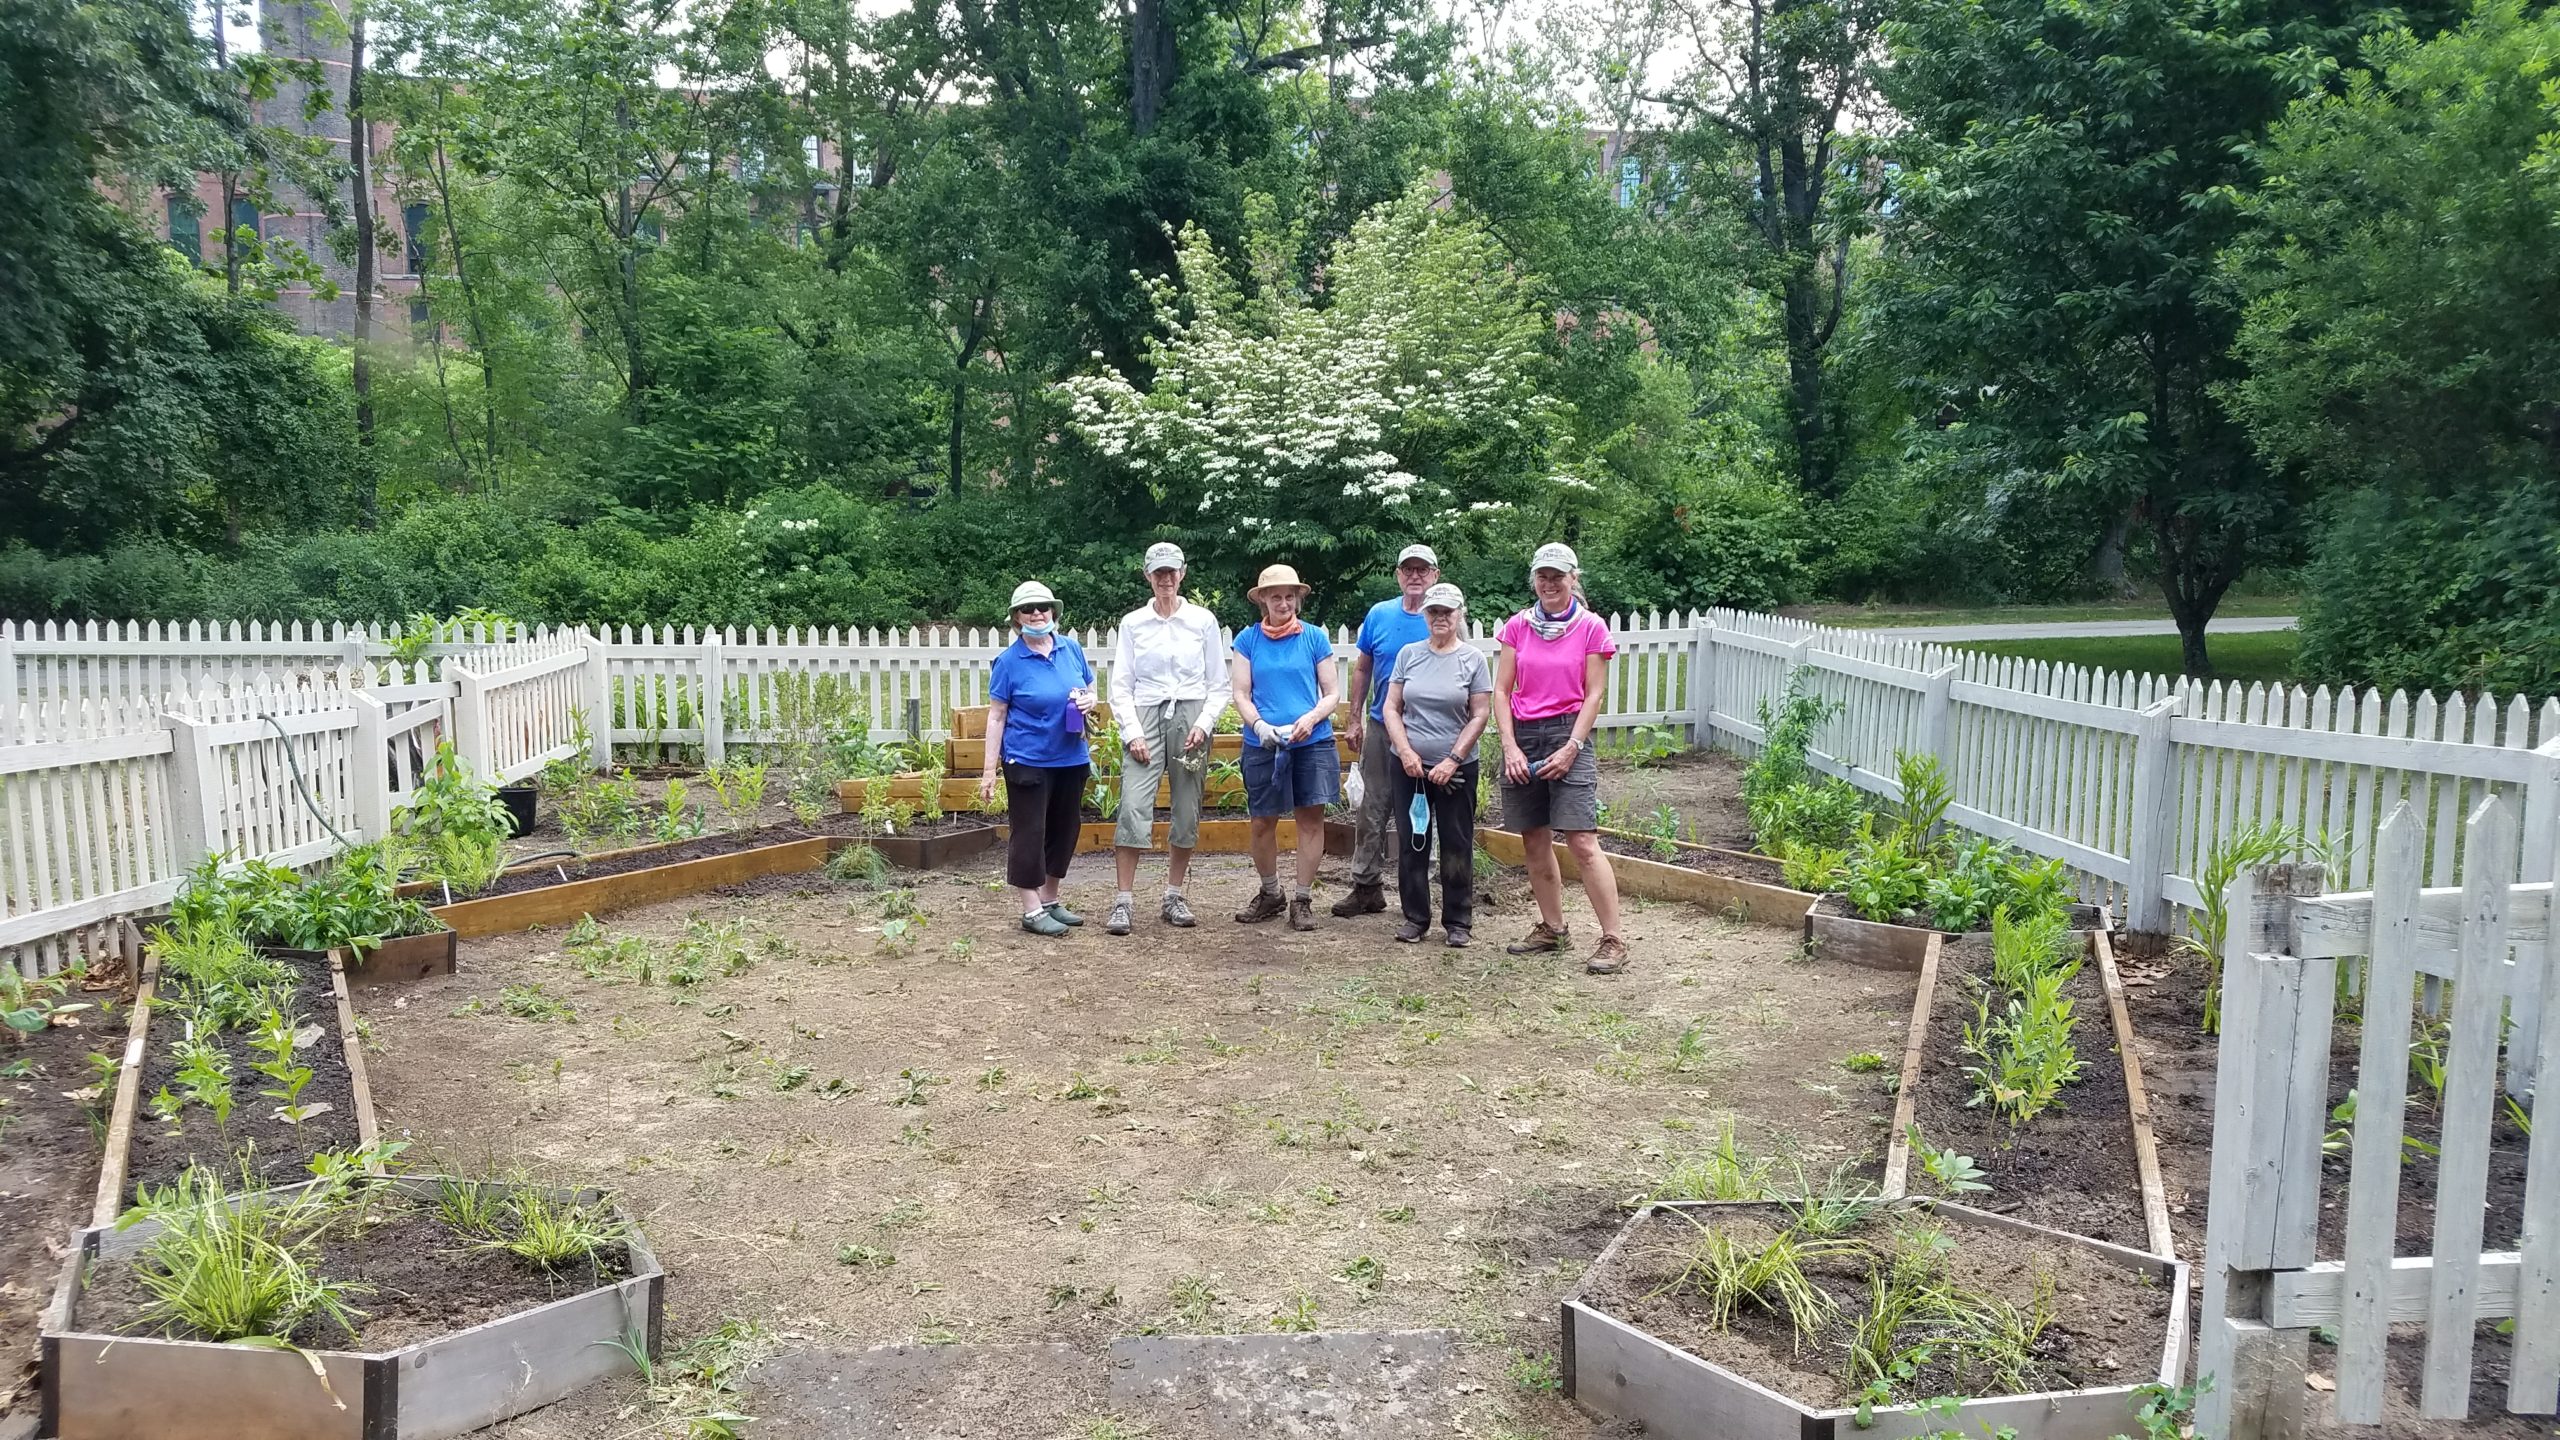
[(1542, 941), (1302, 914), (1263, 906), (1363, 900), (1610, 958)]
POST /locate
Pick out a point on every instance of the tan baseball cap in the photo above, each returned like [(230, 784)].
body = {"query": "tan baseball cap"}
[(1163, 555), (1276, 577), (1421, 552), (1444, 596)]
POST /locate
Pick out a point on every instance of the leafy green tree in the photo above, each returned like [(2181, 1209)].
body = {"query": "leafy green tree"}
[(1327, 435), (2402, 335), (2056, 292)]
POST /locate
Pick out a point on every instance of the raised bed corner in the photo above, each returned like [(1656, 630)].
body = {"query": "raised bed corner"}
[(930, 852), (1618, 1370), (125, 1387)]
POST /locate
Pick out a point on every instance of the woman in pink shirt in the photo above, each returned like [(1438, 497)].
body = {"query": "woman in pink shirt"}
[(1547, 685)]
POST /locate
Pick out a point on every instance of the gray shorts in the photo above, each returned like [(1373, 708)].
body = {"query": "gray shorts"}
[(1572, 803), (1165, 726)]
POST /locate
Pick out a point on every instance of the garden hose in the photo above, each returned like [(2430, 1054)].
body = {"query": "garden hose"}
[(302, 788)]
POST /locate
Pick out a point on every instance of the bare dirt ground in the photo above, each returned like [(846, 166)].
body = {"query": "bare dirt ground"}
[(1028, 1156)]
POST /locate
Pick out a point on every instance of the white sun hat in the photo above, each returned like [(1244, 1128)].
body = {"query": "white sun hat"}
[(1032, 592)]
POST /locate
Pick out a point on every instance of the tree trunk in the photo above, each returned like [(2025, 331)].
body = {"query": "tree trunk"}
[(2197, 567), (360, 151), (1153, 62), (2106, 567), (230, 179)]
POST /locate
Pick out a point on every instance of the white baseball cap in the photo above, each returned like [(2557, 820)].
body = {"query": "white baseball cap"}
[(1423, 553), (1163, 555), (1556, 555), (1444, 596), (1032, 592)]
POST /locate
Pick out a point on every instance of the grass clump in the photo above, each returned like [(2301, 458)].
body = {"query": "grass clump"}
[(226, 1269)]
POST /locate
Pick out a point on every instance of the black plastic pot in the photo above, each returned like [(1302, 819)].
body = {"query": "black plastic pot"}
[(519, 802)]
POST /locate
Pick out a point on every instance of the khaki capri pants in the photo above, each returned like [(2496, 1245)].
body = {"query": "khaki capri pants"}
[(1165, 725)]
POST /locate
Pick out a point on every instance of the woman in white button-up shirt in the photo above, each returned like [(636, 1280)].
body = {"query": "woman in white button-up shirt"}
[(1169, 685)]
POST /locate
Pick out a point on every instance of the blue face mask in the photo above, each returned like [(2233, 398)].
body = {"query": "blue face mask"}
[(1420, 813), (1037, 628)]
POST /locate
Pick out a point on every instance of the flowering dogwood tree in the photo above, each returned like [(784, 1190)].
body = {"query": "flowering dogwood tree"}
[(1328, 430)]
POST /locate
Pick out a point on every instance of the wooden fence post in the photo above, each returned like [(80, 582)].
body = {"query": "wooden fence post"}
[(2155, 819), (195, 824), (370, 777), (1702, 684), (8, 688), (471, 723), (714, 711), (2270, 1111), (599, 696), (1937, 718)]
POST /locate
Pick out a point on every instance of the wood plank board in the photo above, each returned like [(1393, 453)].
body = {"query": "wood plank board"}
[(2146, 1146), (564, 904), (119, 1149), (1897, 1155), (1773, 905)]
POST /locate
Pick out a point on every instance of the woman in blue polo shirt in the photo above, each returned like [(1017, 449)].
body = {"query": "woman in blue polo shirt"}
[(1038, 698), (1287, 688)]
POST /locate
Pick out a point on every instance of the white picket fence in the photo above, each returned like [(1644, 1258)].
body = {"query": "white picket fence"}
[(2132, 780), (2488, 949)]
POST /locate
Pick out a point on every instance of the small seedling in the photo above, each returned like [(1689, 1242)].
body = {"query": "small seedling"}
[(1956, 1174), (865, 1257), (1537, 1374), (1298, 1317), (1865, 1062)]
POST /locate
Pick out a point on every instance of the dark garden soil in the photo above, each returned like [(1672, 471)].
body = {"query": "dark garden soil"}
[(276, 1150), (2165, 996), (1704, 787), (727, 842), (2107, 1324), (2071, 1168), (415, 1279), (53, 1109), (1759, 869)]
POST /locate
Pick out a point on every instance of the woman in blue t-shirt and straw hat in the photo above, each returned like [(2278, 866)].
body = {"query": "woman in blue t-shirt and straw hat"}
[(1287, 688)]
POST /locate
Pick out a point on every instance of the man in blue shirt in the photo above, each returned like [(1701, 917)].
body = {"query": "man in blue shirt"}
[(1391, 625), (1286, 688)]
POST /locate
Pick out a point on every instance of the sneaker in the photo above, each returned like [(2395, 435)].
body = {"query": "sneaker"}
[(1610, 958), (1302, 914), (1263, 906), (1177, 912), (1059, 912), (1542, 941), (1118, 924), (1458, 937), (1409, 932), (1042, 923), (1368, 899)]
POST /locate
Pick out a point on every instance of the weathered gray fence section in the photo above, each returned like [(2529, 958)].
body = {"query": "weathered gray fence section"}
[(2489, 946)]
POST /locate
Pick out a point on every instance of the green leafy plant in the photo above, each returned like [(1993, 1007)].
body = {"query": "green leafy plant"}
[(454, 826), (1728, 1270), (1651, 745), (1922, 810), (1955, 1174), (599, 807), (1811, 867), (226, 1267), (1880, 879), (1662, 827), (549, 1233), (2247, 848)]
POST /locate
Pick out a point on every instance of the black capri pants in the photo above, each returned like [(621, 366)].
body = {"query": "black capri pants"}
[(1045, 806)]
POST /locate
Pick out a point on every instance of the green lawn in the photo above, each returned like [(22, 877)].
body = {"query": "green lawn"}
[(1889, 615), (2264, 656)]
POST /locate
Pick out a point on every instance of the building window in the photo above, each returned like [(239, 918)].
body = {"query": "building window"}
[(413, 227), (1630, 179), (186, 234), (244, 216), (809, 150)]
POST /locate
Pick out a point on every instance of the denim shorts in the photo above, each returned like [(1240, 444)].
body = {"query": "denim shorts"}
[(1277, 782)]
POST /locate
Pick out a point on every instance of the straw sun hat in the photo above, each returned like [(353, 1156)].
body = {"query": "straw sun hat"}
[(1276, 577)]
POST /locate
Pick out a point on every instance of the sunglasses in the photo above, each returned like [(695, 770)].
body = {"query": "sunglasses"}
[(1035, 609)]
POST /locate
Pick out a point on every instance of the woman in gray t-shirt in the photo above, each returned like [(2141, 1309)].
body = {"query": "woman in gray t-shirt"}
[(1439, 696)]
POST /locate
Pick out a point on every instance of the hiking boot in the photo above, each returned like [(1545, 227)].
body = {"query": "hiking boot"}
[(1177, 912), (1458, 937), (1059, 912), (1542, 941), (1263, 906), (1366, 899), (1044, 924), (1118, 923), (1410, 933), (1302, 914), (1610, 958)]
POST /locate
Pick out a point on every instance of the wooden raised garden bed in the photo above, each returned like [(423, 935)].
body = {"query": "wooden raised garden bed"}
[(1756, 901), (402, 958), (517, 1349), (1838, 933), (2090, 1164), (956, 838), (627, 878), (1217, 837), (1640, 1346), (143, 1149)]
